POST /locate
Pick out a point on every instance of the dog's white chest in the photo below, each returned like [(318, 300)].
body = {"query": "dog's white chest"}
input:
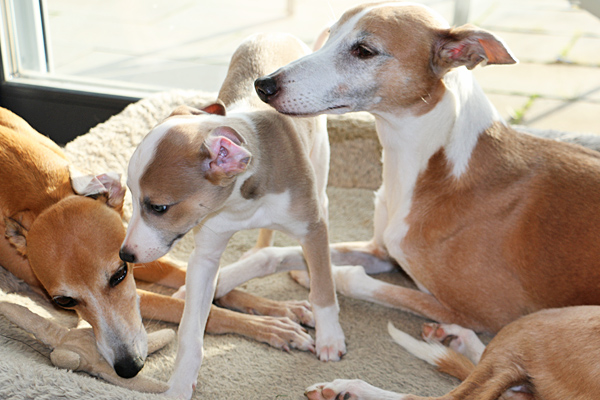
[(270, 211)]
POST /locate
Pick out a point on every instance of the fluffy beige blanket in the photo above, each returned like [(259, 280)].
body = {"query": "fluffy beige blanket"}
[(235, 367)]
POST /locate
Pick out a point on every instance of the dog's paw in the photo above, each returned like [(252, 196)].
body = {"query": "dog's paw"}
[(297, 310), (332, 350), (342, 389), (330, 343), (180, 393), (301, 277), (283, 333), (180, 293), (459, 339)]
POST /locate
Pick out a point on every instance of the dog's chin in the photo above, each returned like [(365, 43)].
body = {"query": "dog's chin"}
[(311, 113)]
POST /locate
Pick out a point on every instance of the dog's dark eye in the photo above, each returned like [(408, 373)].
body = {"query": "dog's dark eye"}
[(362, 51), (118, 276), (64, 301), (159, 209)]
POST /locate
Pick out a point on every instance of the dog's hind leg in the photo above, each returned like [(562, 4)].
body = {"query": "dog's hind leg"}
[(354, 282), (266, 261)]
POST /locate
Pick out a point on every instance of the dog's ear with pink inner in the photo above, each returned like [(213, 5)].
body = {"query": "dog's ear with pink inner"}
[(226, 156), (468, 46), (217, 108), (105, 186)]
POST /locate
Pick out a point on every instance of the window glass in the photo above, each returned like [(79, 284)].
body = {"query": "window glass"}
[(170, 43)]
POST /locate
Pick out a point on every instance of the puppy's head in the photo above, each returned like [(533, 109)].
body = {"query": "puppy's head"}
[(380, 57), (182, 171), (73, 249)]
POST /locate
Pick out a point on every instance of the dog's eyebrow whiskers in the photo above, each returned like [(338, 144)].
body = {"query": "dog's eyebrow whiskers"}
[(332, 11)]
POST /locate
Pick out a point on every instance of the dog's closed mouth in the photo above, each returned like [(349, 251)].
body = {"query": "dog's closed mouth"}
[(327, 110)]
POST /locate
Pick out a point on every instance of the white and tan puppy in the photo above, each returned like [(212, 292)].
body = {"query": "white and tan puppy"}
[(223, 171)]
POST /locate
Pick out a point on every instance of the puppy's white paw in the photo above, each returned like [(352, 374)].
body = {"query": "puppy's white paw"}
[(180, 393), (330, 343)]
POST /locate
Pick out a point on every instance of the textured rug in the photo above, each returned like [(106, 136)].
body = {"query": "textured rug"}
[(236, 367)]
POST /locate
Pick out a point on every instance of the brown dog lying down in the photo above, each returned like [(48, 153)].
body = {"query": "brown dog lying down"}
[(62, 237), (551, 355)]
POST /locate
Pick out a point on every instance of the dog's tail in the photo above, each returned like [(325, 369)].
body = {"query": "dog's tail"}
[(434, 353)]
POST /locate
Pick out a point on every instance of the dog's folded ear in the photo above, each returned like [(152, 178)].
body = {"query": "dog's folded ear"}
[(107, 186), (469, 46), (226, 156), (16, 233), (217, 108)]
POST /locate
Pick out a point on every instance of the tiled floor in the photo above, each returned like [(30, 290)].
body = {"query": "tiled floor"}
[(187, 44)]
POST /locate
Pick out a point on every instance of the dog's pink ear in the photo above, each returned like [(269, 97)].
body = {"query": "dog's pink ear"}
[(105, 186), (217, 108), (226, 157), (116, 192), (469, 46)]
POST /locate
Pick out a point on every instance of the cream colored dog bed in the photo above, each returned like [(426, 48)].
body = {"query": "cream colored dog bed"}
[(235, 367)]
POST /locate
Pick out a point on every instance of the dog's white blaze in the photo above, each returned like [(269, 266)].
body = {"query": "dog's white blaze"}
[(102, 340), (272, 211), (475, 114), (144, 153), (408, 143), (351, 23)]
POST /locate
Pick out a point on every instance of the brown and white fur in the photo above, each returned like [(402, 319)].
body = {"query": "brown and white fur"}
[(66, 246), (550, 354), (490, 223), (221, 171)]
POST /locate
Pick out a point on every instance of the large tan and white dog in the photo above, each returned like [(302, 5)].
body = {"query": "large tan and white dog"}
[(221, 171), (62, 234), (490, 223)]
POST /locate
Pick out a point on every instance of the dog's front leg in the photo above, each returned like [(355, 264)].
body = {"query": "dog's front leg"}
[(201, 280), (330, 343)]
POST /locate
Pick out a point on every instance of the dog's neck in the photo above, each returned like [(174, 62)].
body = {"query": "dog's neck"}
[(454, 125)]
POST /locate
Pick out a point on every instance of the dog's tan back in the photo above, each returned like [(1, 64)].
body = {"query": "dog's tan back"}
[(34, 176), (35, 162)]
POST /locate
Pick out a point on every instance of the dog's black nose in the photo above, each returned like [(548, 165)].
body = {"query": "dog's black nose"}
[(129, 367), (266, 88), (126, 255)]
